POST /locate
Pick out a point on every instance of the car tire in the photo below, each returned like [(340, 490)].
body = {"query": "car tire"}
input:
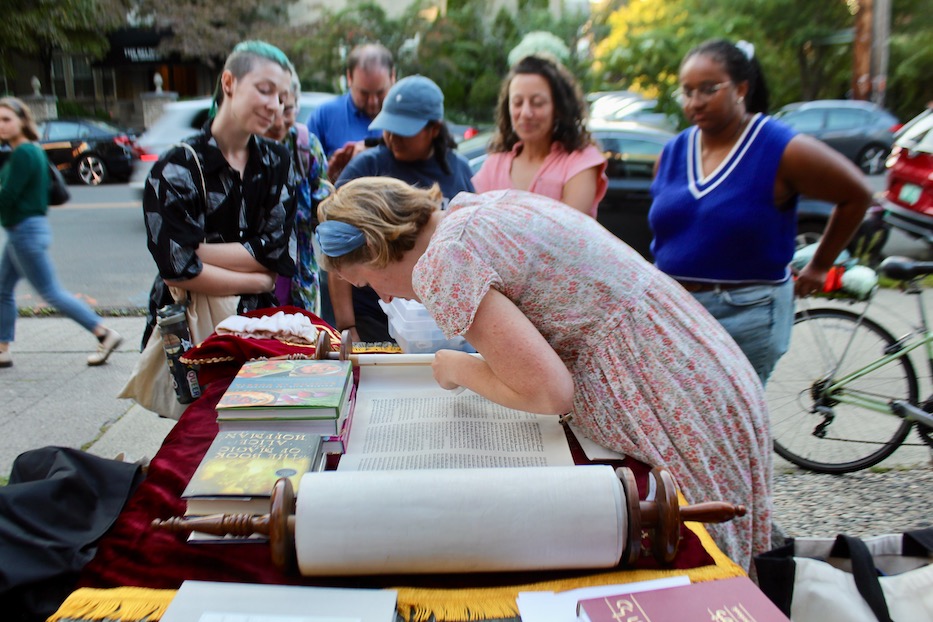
[(92, 171), (871, 159), (808, 232)]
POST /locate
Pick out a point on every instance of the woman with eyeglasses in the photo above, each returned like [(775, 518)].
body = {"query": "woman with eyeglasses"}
[(24, 203), (725, 201)]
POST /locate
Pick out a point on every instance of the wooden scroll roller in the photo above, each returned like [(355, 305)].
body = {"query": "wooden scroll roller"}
[(322, 347), (465, 520)]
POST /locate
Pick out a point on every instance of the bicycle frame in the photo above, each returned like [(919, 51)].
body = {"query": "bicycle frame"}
[(905, 345)]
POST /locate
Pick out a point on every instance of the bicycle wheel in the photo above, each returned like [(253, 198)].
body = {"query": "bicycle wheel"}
[(822, 432)]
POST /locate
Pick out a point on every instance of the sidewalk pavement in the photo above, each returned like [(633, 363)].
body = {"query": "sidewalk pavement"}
[(51, 397)]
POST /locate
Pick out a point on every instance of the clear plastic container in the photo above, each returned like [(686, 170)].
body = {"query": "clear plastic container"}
[(420, 334)]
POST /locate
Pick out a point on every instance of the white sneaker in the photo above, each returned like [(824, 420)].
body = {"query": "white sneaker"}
[(111, 342)]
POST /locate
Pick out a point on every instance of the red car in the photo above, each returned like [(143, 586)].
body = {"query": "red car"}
[(909, 194)]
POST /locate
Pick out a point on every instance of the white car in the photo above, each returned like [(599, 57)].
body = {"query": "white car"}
[(185, 118)]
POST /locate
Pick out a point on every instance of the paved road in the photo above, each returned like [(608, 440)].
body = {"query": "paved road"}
[(98, 249)]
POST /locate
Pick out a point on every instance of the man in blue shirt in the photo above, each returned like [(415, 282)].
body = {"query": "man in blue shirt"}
[(342, 124)]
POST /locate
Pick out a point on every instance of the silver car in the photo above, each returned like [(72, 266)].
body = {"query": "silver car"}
[(859, 130), (185, 118)]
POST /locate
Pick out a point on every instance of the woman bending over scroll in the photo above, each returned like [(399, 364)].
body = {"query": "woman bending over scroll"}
[(568, 319)]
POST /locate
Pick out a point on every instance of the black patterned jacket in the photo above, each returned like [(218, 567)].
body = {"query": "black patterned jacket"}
[(257, 210)]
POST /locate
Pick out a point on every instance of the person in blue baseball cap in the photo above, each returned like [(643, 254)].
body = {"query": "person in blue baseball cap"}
[(409, 106), (417, 149)]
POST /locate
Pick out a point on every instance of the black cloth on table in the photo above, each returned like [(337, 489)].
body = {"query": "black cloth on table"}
[(58, 503)]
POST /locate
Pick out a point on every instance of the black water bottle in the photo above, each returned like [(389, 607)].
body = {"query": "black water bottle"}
[(176, 340)]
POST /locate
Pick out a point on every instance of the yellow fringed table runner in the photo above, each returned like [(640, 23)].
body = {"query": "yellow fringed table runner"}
[(128, 604), (135, 604)]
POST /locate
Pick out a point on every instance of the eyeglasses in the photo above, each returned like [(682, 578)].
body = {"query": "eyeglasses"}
[(702, 93)]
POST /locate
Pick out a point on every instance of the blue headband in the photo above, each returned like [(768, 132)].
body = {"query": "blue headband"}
[(338, 238)]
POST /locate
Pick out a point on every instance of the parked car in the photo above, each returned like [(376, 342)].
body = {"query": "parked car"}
[(861, 131), (182, 119), (631, 151), (908, 197), (644, 111), (603, 105), (88, 150)]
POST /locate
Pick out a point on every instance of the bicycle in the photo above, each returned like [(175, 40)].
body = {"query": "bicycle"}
[(845, 396)]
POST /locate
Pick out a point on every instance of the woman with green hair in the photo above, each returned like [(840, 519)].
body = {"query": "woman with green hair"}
[(218, 210)]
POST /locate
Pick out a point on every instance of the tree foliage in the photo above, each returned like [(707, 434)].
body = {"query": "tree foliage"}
[(648, 38), (464, 51), (540, 42), (208, 29), (910, 89), (803, 46), (37, 27)]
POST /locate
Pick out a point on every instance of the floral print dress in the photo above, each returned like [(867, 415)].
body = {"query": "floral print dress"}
[(310, 166), (656, 377)]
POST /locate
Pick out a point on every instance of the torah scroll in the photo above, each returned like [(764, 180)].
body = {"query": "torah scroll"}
[(450, 520)]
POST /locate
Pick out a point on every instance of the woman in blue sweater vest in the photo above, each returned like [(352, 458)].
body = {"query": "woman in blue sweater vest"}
[(725, 199)]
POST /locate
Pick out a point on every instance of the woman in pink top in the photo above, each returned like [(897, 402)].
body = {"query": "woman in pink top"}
[(541, 143)]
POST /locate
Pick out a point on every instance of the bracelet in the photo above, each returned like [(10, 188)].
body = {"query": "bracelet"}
[(347, 327)]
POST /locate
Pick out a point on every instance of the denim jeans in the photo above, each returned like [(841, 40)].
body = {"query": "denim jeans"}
[(759, 318), (26, 255)]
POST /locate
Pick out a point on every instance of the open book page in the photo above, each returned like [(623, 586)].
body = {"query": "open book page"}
[(404, 420)]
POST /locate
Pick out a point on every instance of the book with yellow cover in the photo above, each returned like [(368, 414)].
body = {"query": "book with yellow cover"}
[(240, 468)]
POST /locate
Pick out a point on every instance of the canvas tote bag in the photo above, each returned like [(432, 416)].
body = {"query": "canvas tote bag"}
[(150, 383), (884, 578)]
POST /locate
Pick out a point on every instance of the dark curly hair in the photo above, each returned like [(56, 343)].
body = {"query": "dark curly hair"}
[(569, 106)]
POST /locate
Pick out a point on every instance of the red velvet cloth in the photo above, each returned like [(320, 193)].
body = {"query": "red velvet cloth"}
[(134, 554), (220, 356)]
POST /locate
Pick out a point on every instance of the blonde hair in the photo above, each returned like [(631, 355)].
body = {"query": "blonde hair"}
[(21, 110), (389, 212)]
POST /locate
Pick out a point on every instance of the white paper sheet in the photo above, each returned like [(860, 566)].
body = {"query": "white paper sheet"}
[(203, 601), (595, 451)]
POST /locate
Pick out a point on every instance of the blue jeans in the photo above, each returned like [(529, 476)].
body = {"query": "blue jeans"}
[(26, 255), (759, 318)]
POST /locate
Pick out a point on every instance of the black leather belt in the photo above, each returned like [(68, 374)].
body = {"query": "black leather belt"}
[(698, 286)]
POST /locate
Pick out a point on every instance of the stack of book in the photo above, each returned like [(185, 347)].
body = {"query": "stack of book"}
[(313, 396), (238, 471)]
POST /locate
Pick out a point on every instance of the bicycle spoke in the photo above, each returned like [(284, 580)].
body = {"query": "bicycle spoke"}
[(848, 429)]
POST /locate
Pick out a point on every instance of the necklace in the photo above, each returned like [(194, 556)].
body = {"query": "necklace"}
[(711, 156)]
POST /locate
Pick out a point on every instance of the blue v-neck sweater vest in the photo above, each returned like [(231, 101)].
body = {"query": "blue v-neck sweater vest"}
[(726, 227)]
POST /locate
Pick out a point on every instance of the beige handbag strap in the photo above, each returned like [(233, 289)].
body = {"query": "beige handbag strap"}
[(197, 161)]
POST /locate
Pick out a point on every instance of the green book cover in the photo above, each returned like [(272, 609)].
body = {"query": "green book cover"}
[(248, 462), (287, 389)]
